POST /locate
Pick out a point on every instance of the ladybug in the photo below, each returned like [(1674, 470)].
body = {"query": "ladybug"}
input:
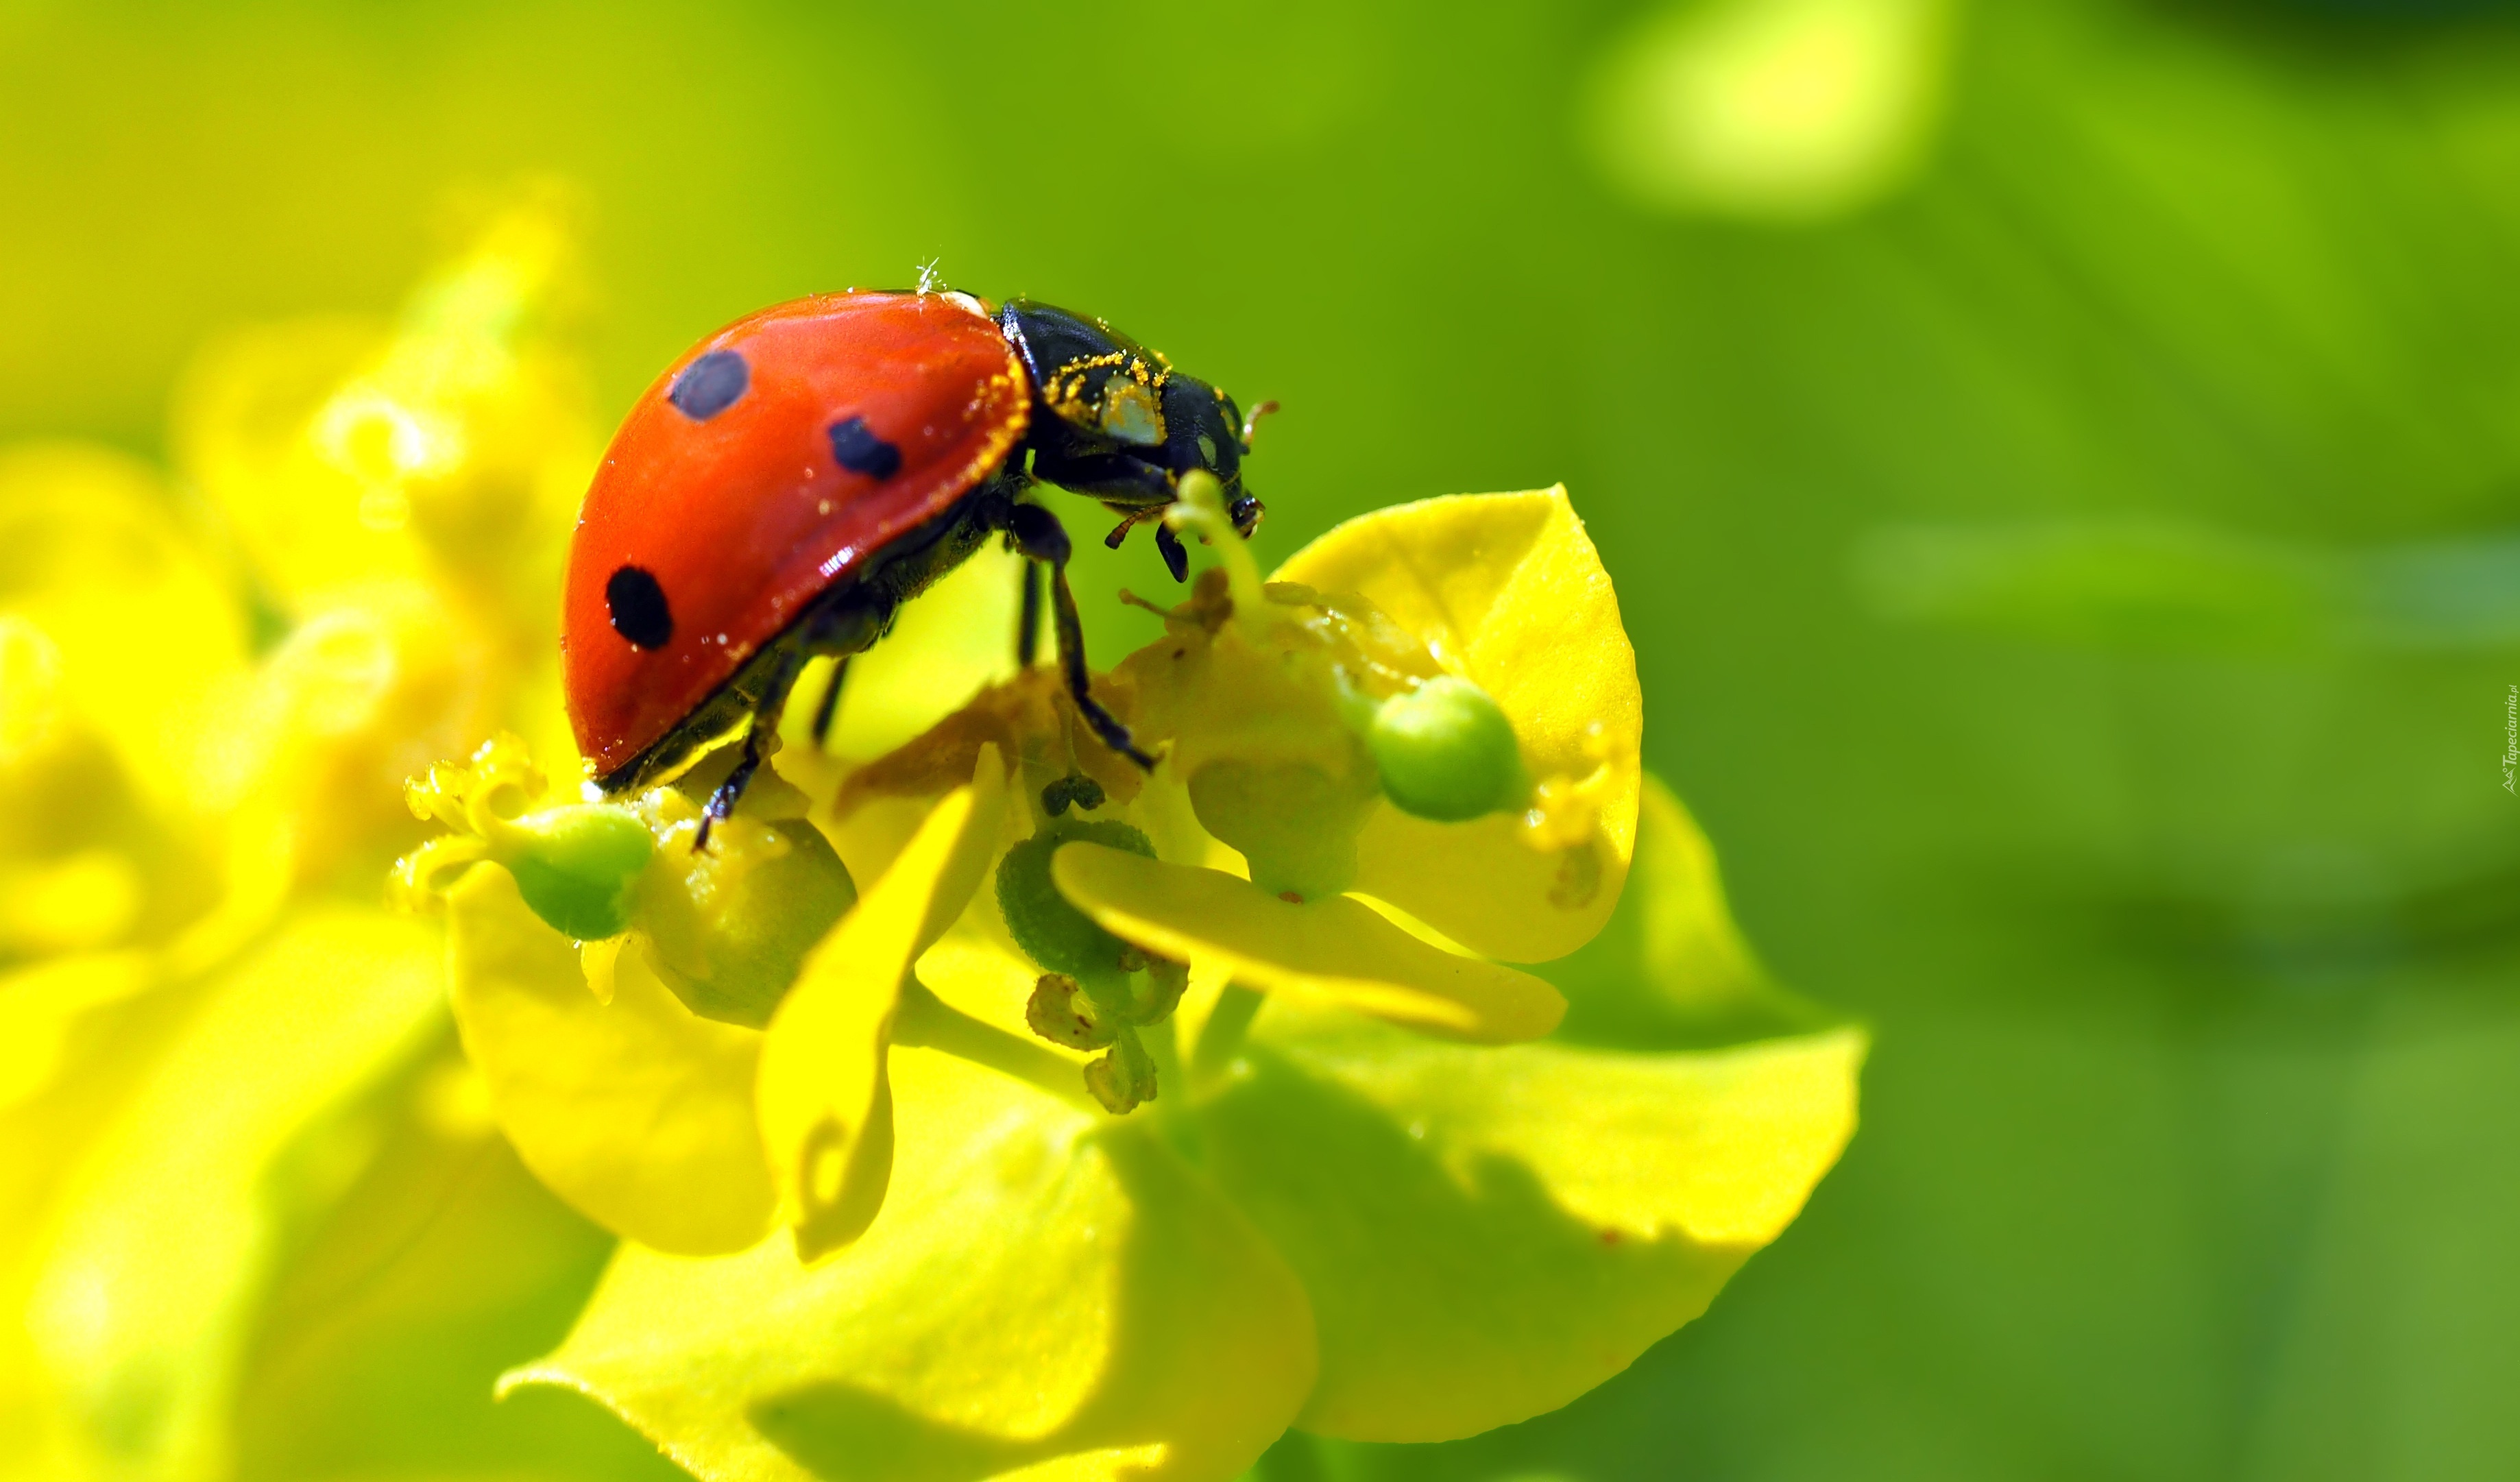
[(785, 486)]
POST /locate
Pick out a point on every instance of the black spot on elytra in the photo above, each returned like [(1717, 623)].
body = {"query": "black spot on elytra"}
[(860, 451), (709, 384), (638, 608)]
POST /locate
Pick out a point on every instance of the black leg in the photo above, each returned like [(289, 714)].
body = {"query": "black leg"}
[(1028, 624), (1039, 534), (1080, 680), (721, 803), (830, 704), (759, 740), (1176, 560), (1121, 477)]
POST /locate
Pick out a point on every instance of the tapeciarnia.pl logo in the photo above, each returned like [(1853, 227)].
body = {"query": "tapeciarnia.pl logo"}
[(2511, 739)]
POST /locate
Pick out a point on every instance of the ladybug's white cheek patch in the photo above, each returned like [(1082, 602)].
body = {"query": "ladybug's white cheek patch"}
[(1130, 414)]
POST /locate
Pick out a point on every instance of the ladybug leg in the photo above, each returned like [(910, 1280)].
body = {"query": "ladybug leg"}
[(721, 803), (1039, 535), (1080, 687), (1176, 560), (1028, 624), (1123, 479), (758, 741), (830, 703)]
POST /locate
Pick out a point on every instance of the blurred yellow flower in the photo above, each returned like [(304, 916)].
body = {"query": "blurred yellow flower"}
[(209, 702)]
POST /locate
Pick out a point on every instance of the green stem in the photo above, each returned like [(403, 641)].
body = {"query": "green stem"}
[(1163, 1047), (930, 1022), (1202, 508), (1176, 1118), (1219, 1040)]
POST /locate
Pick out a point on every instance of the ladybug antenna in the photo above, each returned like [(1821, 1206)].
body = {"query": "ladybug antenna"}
[(1251, 423)]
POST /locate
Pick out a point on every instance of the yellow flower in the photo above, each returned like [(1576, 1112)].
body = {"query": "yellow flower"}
[(1126, 1119), (208, 706)]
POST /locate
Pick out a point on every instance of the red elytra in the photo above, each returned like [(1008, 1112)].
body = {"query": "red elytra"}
[(741, 514)]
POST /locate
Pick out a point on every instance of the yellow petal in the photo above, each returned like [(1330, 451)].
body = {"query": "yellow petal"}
[(1046, 1294), (1505, 590), (1334, 949), (637, 1112), (975, 846), (1692, 950), (150, 638), (241, 430), (144, 1296), (826, 1111), (1671, 968), (366, 691), (338, 452), (1488, 1234), (40, 1001)]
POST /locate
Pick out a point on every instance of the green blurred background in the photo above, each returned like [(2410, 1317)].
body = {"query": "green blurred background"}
[(2060, 464)]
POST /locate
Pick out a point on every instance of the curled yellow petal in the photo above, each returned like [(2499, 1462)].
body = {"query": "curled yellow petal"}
[(637, 1112), (1334, 948), (1507, 590), (824, 1102)]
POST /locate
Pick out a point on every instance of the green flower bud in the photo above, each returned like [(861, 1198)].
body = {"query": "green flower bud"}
[(1054, 933), (727, 928), (579, 867), (1446, 752)]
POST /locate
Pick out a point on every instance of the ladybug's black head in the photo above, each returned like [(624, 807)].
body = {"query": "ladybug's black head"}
[(1203, 429), (1114, 420)]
